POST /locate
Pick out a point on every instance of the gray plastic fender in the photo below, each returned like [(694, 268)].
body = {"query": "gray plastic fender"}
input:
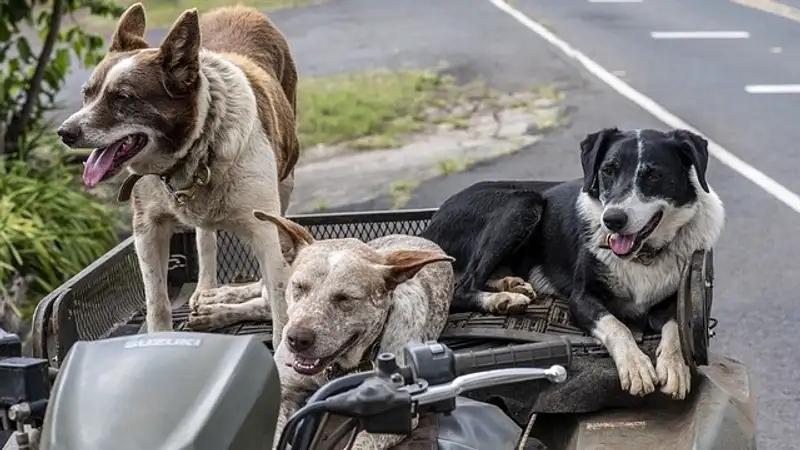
[(477, 426), (164, 391)]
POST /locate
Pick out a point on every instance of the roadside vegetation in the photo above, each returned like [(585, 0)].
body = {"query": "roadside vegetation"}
[(49, 229), (382, 108), (162, 13)]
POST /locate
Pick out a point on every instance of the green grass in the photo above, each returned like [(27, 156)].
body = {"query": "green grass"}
[(319, 205), (455, 165), (369, 110), (162, 13), (400, 192)]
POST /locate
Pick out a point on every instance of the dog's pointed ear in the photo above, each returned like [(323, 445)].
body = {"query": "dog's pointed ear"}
[(180, 53), (593, 149), (694, 150), (401, 265), (129, 34), (293, 237)]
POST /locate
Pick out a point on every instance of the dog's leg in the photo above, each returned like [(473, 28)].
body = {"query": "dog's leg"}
[(512, 284), (636, 372), (151, 241), (207, 291), (285, 189), (206, 240), (673, 373), (227, 294), (498, 245), (219, 315), (266, 245)]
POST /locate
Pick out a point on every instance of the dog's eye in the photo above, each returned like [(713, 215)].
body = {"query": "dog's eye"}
[(340, 298), (652, 175), (299, 287), (607, 171), (122, 96), (343, 302)]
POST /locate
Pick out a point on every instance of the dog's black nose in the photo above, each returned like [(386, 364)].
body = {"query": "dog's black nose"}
[(300, 339), (615, 219), (69, 134)]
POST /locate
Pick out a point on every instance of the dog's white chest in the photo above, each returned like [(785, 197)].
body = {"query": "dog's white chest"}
[(638, 287)]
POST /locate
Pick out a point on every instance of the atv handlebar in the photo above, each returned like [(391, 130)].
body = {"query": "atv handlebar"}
[(538, 354), (386, 399)]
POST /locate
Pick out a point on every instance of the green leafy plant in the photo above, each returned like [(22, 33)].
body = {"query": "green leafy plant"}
[(49, 229)]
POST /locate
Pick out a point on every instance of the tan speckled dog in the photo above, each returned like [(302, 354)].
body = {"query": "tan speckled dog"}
[(349, 301)]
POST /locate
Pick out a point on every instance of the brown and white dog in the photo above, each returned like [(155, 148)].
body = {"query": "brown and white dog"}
[(205, 124)]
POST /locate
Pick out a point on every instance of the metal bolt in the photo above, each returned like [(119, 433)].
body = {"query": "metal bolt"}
[(19, 411), (556, 374), (396, 378)]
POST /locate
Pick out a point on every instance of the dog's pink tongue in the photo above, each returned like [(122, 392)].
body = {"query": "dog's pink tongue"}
[(621, 244), (99, 162)]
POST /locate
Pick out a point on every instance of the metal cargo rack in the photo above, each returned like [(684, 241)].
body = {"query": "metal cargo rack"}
[(107, 298)]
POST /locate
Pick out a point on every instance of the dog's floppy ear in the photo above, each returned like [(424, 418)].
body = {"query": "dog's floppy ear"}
[(694, 150), (401, 265), (593, 149), (293, 237), (180, 53), (129, 34)]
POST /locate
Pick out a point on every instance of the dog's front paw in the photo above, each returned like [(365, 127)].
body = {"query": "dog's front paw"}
[(508, 303), (202, 297), (206, 317), (636, 372), (223, 295), (519, 286), (673, 374)]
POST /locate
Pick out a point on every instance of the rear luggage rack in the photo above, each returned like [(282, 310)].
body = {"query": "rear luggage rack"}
[(107, 298)]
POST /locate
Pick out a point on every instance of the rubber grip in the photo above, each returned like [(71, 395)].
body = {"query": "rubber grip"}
[(539, 354)]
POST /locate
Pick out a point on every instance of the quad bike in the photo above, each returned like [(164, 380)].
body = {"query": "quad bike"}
[(205, 391), (196, 390)]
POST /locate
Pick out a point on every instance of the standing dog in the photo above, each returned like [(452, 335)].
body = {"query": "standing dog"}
[(348, 302), (613, 243), (211, 114)]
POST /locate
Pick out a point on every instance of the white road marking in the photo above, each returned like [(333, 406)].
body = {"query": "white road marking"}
[(772, 7), (699, 35), (727, 158), (773, 88)]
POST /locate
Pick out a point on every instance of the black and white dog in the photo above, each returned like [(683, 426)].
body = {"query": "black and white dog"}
[(613, 243)]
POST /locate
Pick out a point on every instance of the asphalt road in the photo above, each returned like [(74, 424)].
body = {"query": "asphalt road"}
[(701, 81)]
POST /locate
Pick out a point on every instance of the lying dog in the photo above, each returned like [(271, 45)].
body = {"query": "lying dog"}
[(348, 301), (213, 118), (614, 243)]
